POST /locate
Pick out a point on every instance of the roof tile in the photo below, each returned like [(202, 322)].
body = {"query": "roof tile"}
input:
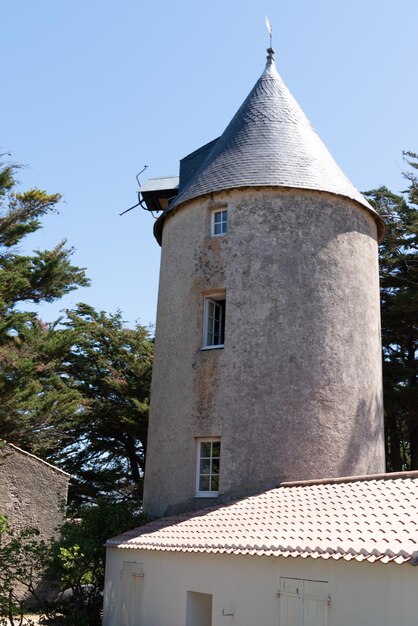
[(338, 519)]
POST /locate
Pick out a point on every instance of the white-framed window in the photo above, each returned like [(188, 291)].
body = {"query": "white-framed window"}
[(214, 321), (219, 222), (208, 461)]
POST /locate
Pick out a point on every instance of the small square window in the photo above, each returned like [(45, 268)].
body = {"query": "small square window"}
[(219, 222), (214, 322), (208, 461)]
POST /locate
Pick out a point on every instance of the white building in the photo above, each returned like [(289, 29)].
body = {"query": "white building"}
[(326, 553)]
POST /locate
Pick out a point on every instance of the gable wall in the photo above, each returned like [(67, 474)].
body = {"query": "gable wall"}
[(32, 493)]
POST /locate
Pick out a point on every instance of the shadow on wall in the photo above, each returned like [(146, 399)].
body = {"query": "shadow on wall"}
[(367, 425)]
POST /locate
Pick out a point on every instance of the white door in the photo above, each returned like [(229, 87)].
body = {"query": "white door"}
[(131, 578), (303, 602), (290, 602)]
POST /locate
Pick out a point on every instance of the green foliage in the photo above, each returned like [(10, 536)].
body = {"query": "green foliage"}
[(109, 366), (75, 392), (78, 559), (36, 399), (75, 563), (398, 255), (33, 390), (23, 558), (48, 274)]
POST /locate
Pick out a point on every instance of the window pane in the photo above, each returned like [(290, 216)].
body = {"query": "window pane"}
[(215, 322), (205, 449), (224, 218), (217, 229), (214, 483), (210, 323), (211, 309), (216, 449), (204, 483), (205, 466), (222, 324), (208, 467), (220, 219)]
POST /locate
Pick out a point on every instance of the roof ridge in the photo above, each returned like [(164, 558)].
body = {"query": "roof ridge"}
[(37, 458), (349, 479)]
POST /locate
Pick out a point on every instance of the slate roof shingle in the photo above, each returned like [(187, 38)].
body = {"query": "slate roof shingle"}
[(269, 142), (363, 518)]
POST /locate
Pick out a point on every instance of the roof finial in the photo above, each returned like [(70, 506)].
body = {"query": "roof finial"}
[(270, 50)]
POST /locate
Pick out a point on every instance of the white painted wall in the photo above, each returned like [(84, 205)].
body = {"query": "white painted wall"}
[(361, 594)]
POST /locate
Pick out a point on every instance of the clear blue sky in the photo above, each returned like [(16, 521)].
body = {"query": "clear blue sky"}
[(95, 89)]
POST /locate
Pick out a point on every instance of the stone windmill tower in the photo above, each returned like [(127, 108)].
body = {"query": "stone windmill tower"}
[(267, 356)]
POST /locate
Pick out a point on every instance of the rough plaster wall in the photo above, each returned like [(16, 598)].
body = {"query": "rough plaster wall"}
[(296, 392)]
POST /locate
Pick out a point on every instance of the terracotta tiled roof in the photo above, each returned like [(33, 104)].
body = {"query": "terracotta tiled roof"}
[(373, 519)]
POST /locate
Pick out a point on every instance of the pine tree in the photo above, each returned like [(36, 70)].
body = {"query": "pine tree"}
[(109, 365), (398, 255), (33, 391), (75, 392)]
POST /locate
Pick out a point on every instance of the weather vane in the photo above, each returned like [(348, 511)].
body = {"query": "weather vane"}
[(270, 30)]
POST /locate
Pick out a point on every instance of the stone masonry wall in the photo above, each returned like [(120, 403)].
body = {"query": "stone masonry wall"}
[(32, 492)]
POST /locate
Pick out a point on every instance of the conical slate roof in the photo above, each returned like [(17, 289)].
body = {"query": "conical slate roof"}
[(269, 142)]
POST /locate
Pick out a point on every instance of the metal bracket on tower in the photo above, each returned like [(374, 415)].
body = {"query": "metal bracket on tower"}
[(140, 201)]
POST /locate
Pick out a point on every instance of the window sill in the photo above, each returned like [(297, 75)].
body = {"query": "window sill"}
[(209, 494), (213, 347)]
